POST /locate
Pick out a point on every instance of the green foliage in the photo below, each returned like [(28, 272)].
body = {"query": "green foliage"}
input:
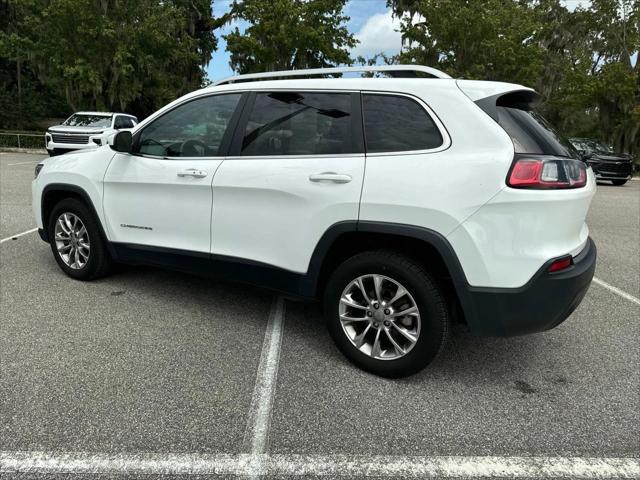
[(136, 55), (579, 61), (110, 54), (288, 34), (482, 39)]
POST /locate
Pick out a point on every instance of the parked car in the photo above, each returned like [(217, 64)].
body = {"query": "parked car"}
[(470, 208), (86, 130), (606, 164)]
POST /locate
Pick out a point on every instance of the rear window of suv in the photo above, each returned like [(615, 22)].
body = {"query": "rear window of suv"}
[(394, 123), (529, 131)]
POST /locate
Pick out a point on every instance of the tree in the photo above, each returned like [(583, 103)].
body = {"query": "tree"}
[(289, 34), (580, 61), (487, 39), (615, 85), (112, 55), (22, 95)]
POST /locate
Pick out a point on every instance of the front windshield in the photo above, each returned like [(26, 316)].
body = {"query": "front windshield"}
[(581, 145), (99, 121), (589, 145), (602, 147)]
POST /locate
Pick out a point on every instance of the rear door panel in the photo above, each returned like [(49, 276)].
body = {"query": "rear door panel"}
[(274, 208)]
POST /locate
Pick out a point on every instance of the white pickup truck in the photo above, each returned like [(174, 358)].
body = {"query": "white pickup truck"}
[(86, 130)]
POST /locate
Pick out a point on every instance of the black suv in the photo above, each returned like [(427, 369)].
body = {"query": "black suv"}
[(606, 164)]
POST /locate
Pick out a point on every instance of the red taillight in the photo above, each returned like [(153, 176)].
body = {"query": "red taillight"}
[(547, 173), (561, 264)]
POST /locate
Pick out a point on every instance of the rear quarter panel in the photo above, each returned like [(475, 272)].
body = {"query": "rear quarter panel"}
[(441, 189), (509, 239)]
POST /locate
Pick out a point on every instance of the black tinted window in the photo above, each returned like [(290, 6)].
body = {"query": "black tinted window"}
[(292, 123), (88, 120), (395, 124), (194, 129), (531, 133), (123, 122)]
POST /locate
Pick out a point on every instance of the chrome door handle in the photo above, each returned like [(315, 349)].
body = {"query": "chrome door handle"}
[(192, 172), (330, 177)]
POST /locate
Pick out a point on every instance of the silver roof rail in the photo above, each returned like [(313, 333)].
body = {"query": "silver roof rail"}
[(328, 71)]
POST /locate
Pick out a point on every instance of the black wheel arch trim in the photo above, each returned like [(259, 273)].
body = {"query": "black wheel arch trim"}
[(545, 301), (426, 235), (65, 187), (436, 240)]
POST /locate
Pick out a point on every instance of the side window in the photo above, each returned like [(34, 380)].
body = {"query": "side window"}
[(299, 123), (394, 124), (530, 133), (194, 129), (122, 122)]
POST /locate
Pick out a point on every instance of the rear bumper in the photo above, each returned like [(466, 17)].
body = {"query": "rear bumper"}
[(543, 303)]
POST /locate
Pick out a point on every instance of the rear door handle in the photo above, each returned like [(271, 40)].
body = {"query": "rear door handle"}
[(330, 177), (192, 172)]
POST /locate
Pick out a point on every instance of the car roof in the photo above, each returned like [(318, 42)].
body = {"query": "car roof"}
[(473, 88), (99, 114), (104, 114)]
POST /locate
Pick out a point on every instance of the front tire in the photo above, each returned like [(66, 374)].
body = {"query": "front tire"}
[(76, 241), (386, 313), (618, 183)]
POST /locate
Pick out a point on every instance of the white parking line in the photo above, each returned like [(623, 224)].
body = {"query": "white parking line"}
[(13, 237), (259, 415), (318, 465), (616, 290)]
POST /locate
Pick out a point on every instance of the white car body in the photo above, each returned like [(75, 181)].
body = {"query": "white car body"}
[(264, 210), (64, 138)]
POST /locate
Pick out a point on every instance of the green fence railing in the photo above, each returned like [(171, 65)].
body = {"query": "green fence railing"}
[(22, 140)]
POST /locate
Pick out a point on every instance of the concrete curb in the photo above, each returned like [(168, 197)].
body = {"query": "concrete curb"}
[(23, 150)]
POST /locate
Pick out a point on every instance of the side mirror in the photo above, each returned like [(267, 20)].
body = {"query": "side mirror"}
[(586, 155), (122, 142)]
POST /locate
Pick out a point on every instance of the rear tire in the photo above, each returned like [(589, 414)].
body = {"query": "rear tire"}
[(618, 183), (76, 241), (382, 274)]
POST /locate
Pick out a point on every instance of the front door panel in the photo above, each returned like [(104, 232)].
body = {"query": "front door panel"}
[(161, 196), (159, 202)]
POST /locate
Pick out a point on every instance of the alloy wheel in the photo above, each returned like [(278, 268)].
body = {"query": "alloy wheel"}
[(72, 241), (379, 317)]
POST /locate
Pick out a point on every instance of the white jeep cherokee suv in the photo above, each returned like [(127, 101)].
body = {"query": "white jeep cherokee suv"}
[(86, 130), (404, 204)]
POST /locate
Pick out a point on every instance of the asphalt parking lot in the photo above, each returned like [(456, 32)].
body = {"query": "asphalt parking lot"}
[(150, 372)]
